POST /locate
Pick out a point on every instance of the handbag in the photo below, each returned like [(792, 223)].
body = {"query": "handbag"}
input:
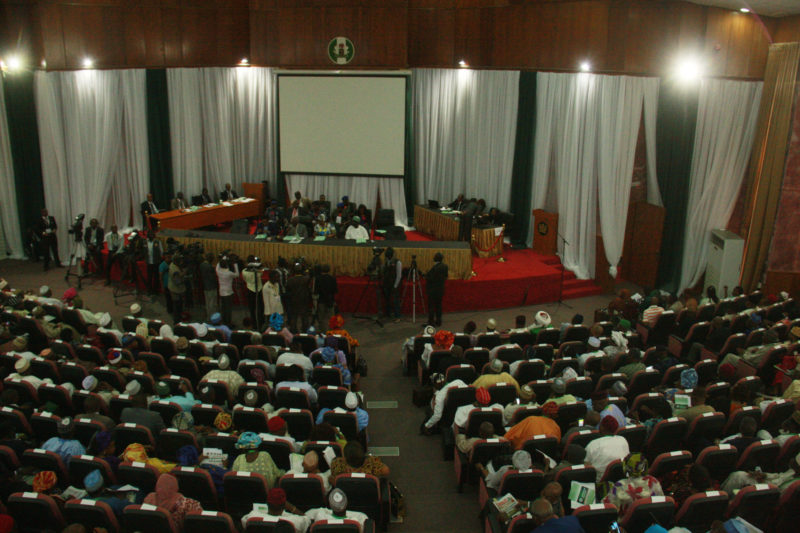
[(398, 501)]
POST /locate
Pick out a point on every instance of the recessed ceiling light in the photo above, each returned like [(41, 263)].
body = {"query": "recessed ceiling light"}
[(744, 10), (689, 68), (14, 63), (586, 66), (462, 64), (88, 62)]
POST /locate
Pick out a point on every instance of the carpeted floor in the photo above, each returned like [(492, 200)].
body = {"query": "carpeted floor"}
[(428, 482)]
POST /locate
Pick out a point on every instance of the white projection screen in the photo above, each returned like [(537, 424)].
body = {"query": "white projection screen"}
[(342, 124)]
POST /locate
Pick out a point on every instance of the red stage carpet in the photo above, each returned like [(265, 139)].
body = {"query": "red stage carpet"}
[(525, 278)]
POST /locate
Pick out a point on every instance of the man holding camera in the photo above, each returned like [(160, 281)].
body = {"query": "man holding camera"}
[(252, 278), (46, 229)]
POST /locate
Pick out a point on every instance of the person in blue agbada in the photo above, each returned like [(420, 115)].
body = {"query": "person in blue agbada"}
[(64, 444)]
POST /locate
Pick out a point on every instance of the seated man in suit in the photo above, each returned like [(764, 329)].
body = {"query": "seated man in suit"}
[(205, 198), (178, 202), (148, 208), (458, 204), (93, 237), (228, 193)]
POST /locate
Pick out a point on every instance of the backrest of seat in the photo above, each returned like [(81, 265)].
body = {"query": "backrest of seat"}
[(597, 517), (319, 447), (665, 434), (331, 397), (34, 512), (196, 483), (292, 397), (44, 424), (580, 387), (565, 477), (17, 419), (465, 373), (268, 524), (208, 522), (44, 460), (166, 409), (707, 426), (346, 422), (299, 422), (250, 419), (760, 454), (522, 484), (171, 440), (242, 490), (530, 370), (279, 449), (642, 513), (147, 517), (789, 450), (669, 461), (635, 434), (127, 433), (477, 357), (81, 465), (543, 443), (774, 415), (141, 475), (788, 512), (455, 398), (335, 525), (719, 460), (488, 340), (222, 393), (581, 437), (224, 441), (699, 510), (502, 393), (92, 514), (755, 503), (204, 414), (305, 491), (570, 412), (363, 493), (478, 415)]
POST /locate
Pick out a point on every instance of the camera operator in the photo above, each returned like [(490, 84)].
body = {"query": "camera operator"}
[(177, 286), (392, 277), (252, 278), (434, 281), (163, 276), (46, 229), (152, 249), (93, 237), (131, 253), (113, 242), (298, 298), (208, 279), (227, 271), (325, 289)]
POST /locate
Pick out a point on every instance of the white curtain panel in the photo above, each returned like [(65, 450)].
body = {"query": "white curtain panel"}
[(9, 216), (620, 111), (586, 131), (93, 137), (650, 114), (393, 196), (221, 127), (465, 124), (726, 122)]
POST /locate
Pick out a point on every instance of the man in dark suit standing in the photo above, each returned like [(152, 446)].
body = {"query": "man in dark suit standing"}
[(228, 193), (93, 237), (46, 229), (152, 255), (148, 208), (435, 280)]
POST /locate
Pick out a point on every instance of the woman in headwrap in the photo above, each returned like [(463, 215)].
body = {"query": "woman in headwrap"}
[(166, 332), (168, 497), (256, 461), (103, 447), (189, 456), (636, 484), (276, 326), (336, 327), (329, 359), (137, 453)]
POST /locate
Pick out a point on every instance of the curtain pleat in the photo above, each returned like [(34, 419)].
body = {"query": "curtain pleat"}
[(158, 136), (9, 216), (726, 120), (522, 172)]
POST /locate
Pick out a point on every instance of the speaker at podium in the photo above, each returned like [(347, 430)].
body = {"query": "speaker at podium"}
[(545, 232)]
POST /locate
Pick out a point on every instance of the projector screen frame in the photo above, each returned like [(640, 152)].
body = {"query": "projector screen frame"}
[(405, 74)]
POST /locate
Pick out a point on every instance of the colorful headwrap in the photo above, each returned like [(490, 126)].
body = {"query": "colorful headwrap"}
[(183, 420), (276, 321), (635, 465), (625, 324), (550, 409), (187, 455), (609, 423), (276, 497), (44, 481), (444, 338), (689, 378), (223, 422), (276, 424), (93, 481), (102, 440), (336, 322), (248, 441), (328, 354), (135, 452), (482, 396), (69, 294), (258, 375)]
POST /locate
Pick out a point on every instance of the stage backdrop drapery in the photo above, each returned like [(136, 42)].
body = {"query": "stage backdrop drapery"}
[(8, 189), (726, 121), (465, 125), (586, 131), (157, 101), (221, 127), (360, 189), (89, 132)]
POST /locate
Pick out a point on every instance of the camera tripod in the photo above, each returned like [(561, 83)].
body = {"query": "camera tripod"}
[(129, 273), (373, 283), (415, 279), (76, 255)]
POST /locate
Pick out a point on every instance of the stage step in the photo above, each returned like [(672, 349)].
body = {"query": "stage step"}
[(573, 287)]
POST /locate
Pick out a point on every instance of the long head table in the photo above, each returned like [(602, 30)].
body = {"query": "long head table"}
[(444, 227), (346, 257), (207, 215)]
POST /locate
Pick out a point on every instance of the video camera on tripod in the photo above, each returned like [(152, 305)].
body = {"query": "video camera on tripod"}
[(374, 267), (76, 228)]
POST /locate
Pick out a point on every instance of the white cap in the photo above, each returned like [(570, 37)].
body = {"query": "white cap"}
[(224, 362), (542, 319), (133, 388), (89, 383), (136, 309), (44, 289), (105, 320), (491, 323), (202, 330), (351, 400), (429, 330), (594, 342)]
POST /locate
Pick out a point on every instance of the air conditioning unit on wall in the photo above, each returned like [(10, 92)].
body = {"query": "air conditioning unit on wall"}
[(724, 260)]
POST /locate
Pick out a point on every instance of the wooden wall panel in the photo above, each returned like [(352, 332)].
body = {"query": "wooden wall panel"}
[(787, 29), (424, 52), (17, 20)]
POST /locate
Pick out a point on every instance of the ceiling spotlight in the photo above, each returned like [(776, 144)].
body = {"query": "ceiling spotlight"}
[(462, 64), (744, 10), (585, 66), (689, 69), (14, 63), (88, 62), (44, 63), (244, 61)]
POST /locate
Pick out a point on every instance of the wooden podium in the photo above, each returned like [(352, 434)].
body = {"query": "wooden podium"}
[(545, 232), (255, 190)]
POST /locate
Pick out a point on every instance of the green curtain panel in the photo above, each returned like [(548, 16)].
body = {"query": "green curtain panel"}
[(522, 171), (410, 182), (23, 132), (677, 118), (158, 137)]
